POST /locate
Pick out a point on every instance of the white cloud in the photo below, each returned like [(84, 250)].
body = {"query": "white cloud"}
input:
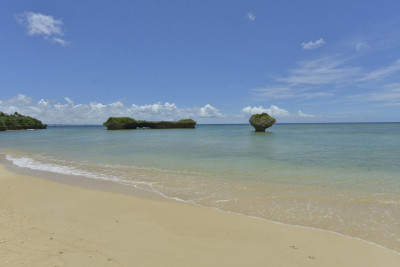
[(272, 110), (170, 111), (207, 111), (38, 24), (60, 41), (250, 16), (313, 45), (301, 114), (254, 110), (362, 46), (69, 101), (52, 112), (275, 112)]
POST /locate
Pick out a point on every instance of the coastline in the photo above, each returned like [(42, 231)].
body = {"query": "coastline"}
[(48, 223)]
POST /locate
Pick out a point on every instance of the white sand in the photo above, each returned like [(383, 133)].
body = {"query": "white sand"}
[(44, 223)]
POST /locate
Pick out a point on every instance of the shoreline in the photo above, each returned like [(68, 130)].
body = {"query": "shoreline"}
[(169, 233), (83, 181), (120, 188)]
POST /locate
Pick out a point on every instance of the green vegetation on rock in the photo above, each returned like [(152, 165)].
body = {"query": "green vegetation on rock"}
[(119, 120), (17, 121), (187, 121), (120, 123), (2, 126), (261, 121)]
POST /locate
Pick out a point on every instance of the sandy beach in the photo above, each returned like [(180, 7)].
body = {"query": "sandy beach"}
[(46, 223)]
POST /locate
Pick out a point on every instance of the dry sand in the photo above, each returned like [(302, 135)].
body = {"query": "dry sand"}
[(45, 223)]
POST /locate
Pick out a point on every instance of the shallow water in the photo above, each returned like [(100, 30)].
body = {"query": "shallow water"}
[(338, 177)]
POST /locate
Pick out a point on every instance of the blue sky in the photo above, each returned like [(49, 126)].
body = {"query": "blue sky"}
[(215, 61)]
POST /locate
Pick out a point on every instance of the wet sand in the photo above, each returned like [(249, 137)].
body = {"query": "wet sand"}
[(46, 223)]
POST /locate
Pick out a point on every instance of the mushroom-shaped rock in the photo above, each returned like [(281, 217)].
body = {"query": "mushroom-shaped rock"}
[(262, 121)]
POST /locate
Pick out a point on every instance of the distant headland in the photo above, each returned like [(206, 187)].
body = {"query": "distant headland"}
[(17, 121), (123, 123)]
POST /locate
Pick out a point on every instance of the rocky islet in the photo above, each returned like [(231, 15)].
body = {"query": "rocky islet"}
[(262, 121), (17, 121), (125, 123)]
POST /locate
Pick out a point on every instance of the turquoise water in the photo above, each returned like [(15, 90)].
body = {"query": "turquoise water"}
[(338, 177)]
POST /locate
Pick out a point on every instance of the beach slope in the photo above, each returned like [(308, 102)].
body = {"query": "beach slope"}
[(45, 223)]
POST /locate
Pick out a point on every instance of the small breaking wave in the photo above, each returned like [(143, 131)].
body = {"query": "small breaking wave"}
[(38, 163), (25, 162)]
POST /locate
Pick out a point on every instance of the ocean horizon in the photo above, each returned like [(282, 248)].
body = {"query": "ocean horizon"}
[(238, 123), (339, 177)]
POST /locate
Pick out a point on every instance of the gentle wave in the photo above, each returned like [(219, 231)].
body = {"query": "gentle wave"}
[(25, 162)]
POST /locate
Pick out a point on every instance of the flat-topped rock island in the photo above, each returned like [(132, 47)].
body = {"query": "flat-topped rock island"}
[(126, 123)]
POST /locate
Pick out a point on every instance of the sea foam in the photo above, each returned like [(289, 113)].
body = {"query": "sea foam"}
[(25, 162)]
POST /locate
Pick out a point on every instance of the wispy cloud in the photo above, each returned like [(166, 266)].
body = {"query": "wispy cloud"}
[(95, 113), (382, 36), (309, 79), (38, 24), (337, 78), (390, 95), (323, 70), (313, 45), (361, 73), (274, 92), (288, 92), (250, 16), (387, 95), (382, 72)]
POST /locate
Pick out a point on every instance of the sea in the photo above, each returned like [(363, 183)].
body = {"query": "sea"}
[(343, 178)]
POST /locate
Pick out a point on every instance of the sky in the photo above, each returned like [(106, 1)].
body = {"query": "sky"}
[(80, 62)]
